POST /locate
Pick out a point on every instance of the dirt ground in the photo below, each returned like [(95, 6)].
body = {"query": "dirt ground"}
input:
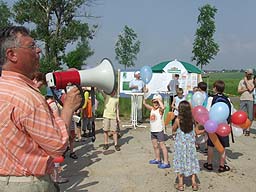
[(97, 170)]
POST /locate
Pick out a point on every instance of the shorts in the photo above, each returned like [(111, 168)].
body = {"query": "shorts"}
[(200, 139), (109, 125), (158, 135), (223, 140)]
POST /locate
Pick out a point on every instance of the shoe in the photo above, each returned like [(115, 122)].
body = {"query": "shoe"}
[(140, 122), (223, 168), (195, 187), (73, 155), (117, 147), (164, 166), (247, 133), (153, 161), (93, 138), (61, 180), (208, 166), (179, 187), (105, 147)]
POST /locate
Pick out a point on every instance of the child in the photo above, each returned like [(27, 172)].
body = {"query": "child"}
[(111, 117), (202, 137), (185, 162), (218, 88), (157, 131), (175, 104)]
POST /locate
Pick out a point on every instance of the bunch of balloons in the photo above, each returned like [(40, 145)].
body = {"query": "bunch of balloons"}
[(239, 121), (215, 120)]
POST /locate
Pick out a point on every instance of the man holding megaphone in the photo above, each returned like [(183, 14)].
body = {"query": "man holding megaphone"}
[(31, 134)]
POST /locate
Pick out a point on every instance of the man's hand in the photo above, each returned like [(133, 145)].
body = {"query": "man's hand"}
[(73, 99)]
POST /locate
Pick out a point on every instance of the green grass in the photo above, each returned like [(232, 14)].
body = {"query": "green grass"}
[(231, 80)]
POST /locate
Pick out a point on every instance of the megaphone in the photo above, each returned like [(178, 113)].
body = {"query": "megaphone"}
[(101, 76)]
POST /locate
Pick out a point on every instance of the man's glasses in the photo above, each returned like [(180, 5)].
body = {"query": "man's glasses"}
[(32, 46)]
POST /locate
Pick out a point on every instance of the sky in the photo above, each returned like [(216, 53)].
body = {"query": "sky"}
[(166, 30)]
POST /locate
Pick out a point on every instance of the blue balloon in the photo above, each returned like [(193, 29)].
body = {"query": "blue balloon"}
[(219, 112), (146, 74)]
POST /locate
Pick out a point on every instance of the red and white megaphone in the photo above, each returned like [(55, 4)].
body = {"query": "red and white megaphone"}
[(101, 76)]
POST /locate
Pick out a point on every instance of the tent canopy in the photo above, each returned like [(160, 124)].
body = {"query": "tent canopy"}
[(159, 68)]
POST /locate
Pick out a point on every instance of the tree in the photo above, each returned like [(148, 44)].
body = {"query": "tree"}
[(127, 47), (5, 15), (56, 24), (204, 47)]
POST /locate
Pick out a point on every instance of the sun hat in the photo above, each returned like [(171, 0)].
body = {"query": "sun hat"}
[(157, 96), (249, 71), (137, 72)]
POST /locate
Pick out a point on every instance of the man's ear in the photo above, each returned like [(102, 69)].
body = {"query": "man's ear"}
[(11, 55)]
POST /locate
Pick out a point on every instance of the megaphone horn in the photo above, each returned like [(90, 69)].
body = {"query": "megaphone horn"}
[(101, 76)]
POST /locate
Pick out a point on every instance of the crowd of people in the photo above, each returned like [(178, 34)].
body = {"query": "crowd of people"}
[(36, 130)]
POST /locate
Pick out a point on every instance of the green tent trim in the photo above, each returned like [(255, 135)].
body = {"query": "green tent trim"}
[(189, 67)]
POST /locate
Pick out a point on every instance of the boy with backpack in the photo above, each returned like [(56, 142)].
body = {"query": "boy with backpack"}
[(218, 88)]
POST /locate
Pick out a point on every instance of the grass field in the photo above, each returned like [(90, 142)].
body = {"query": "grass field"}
[(231, 80)]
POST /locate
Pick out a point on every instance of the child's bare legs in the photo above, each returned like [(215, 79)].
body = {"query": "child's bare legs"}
[(222, 158), (105, 137), (194, 184), (156, 149), (165, 152), (210, 155), (180, 180), (78, 133), (114, 137)]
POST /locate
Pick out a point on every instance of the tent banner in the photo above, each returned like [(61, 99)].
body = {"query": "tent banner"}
[(159, 81)]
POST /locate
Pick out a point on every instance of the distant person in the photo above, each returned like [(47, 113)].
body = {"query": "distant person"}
[(157, 131), (218, 88), (137, 86), (176, 101), (111, 119), (185, 162), (254, 97), (202, 87), (245, 89), (172, 87)]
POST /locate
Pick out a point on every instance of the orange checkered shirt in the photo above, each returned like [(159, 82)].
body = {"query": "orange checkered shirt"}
[(30, 135)]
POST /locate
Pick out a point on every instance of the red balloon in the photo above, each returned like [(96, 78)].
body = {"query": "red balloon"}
[(239, 117), (223, 129), (59, 159)]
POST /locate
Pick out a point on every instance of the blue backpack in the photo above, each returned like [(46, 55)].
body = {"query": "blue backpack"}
[(222, 98)]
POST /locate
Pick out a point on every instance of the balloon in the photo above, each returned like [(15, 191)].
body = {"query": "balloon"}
[(146, 74), (210, 126), (223, 129), (237, 132), (246, 124), (197, 98), (200, 114), (239, 117), (219, 112), (217, 144), (169, 117), (189, 97), (201, 119)]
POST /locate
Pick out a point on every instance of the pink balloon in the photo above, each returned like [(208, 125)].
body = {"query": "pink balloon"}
[(210, 126), (200, 114), (223, 129), (201, 119)]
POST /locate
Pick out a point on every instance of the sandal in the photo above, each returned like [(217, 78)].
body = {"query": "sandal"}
[(208, 166), (223, 168), (73, 155), (179, 187), (247, 133), (195, 187)]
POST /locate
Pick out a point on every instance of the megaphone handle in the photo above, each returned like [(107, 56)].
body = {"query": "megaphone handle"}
[(81, 93)]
